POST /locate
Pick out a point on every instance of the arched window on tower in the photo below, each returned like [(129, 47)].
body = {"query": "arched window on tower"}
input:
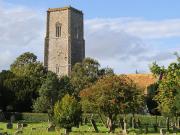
[(58, 29), (76, 32)]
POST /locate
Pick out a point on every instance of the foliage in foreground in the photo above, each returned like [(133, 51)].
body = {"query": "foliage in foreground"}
[(67, 112), (112, 95), (168, 92), (22, 83)]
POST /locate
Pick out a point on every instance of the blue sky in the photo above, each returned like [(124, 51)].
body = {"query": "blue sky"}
[(127, 35), (149, 9)]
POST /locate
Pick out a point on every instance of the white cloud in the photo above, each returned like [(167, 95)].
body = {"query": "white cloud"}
[(120, 43), (21, 30), (5, 59), (139, 27)]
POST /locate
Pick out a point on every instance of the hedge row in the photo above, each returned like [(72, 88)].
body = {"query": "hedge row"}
[(143, 119), (28, 117), (43, 117)]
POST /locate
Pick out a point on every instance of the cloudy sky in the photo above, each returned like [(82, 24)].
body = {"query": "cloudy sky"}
[(126, 35)]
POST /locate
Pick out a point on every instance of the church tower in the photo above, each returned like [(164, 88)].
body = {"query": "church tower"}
[(64, 41)]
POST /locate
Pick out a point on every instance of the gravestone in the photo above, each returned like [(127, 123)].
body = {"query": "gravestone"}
[(51, 127), (85, 120), (178, 122), (155, 126), (162, 131), (159, 123), (132, 122), (18, 132), (19, 125), (24, 124), (139, 123), (33, 128), (146, 129), (66, 131), (121, 123), (167, 123), (9, 125), (2, 117), (12, 118), (94, 125), (174, 129), (124, 129)]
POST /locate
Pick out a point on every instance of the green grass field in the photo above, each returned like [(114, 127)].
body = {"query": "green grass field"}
[(41, 129)]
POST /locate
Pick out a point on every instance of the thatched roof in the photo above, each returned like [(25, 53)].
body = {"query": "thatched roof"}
[(142, 80)]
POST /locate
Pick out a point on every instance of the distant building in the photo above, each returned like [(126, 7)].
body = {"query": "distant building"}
[(143, 81), (64, 41)]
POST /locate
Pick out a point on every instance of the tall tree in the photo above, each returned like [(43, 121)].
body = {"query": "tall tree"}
[(84, 74), (112, 95), (169, 87), (27, 65), (52, 89), (25, 90), (28, 76), (65, 86), (49, 92)]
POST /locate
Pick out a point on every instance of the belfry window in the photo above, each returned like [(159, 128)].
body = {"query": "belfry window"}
[(76, 32), (58, 29)]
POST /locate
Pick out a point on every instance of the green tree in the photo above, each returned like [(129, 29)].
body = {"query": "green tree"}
[(48, 92), (84, 74), (67, 112), (167, 95), (112, 95), (41, 104), (156, 69), (28, 76), (151, 103), (27, 65), (65, 86), (52, 89), (168, 88), (105, 72), (7, 96), (25, 90)]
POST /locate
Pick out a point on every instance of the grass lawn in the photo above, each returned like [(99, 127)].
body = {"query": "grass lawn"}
[(41, 129)]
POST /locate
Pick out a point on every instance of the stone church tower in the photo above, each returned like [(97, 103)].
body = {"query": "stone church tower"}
[(64, 42)]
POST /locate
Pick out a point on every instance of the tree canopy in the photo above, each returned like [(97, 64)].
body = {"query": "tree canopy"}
[(67, 112), (168, 90), (112, 95)]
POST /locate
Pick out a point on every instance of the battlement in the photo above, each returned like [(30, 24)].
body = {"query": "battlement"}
[(64, 8)]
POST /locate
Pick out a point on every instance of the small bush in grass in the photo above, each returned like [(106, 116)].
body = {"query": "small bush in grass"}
[(67, 112)]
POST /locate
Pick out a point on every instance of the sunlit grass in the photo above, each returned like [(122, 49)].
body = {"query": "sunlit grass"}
[(41, 129)]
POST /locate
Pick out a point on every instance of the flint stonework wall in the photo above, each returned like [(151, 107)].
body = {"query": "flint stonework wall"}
[(61, 53)]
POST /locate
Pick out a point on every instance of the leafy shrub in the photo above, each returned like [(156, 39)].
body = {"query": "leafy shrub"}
[(67, 112)]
